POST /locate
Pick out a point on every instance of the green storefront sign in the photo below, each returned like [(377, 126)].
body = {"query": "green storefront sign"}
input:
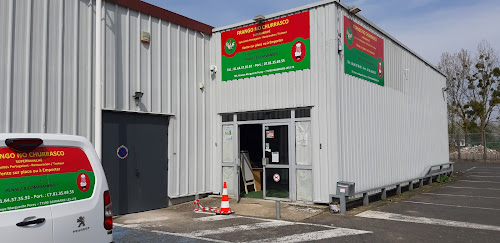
[(275, 46), (364, 53)]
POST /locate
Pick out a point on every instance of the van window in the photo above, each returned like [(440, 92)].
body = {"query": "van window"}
[(45, 176)]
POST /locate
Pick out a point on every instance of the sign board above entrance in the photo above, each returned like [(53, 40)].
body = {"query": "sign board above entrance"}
[(364, 53), (274, 46)]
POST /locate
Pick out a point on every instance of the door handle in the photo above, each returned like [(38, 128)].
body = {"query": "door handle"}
[(26, 223), (137, 173), (265, 161)]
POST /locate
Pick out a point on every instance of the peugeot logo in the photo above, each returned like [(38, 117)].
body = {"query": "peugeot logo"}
[(81, 221)]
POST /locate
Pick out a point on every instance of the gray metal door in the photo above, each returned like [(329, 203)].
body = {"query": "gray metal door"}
[(137, 179)]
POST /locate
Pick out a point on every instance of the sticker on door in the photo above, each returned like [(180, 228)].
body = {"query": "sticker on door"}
[(270, 134)]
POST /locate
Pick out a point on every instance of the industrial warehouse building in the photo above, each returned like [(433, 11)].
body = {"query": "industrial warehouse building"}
[(301, 99)]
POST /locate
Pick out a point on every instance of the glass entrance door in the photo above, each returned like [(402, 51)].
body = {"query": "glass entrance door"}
[(276, 161)]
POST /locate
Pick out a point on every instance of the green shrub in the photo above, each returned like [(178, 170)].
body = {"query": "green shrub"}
[(443, 179)]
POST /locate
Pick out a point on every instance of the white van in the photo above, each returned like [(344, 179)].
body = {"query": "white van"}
[(52, 189)]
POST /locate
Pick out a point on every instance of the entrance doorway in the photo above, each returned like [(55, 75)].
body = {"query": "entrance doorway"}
[(270, 154), (251, 149), (267, 147)]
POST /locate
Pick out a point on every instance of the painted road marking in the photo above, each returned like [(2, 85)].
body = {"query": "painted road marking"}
[(475, 188), (454, 195), (470, 169), (317, 235), (269, 223), (192, 237), (237, 228), (484, 173), (214, 218), (423, 220), (480, 181), (451, 205), (483, 176)]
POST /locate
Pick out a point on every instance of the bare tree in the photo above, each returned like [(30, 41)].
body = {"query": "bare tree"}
[(484, 89)]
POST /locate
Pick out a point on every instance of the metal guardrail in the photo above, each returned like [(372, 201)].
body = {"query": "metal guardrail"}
[(434, 171)]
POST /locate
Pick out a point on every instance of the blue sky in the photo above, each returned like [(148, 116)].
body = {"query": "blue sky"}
[(429, 27)]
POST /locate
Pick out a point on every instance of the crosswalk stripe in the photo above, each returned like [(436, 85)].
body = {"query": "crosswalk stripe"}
[(214, 218), (317, 235), (423, 220), (237, 228)]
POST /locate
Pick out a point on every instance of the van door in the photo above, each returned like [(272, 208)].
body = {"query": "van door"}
[(25, 213), (78, 197)]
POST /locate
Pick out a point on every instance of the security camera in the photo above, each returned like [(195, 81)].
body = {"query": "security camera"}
[(213, 68)]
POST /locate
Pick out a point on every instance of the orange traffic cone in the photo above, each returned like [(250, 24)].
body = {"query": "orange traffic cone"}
[(224, 205)]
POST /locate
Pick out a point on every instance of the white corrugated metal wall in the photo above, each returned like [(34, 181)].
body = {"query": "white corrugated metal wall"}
[(394, 132), (369, 134), (46, 75)]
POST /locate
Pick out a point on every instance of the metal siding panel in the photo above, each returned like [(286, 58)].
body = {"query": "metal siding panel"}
[(20, 77), (38, 67), (386, 130), (156, 70), (110, 44), (135, 57), (6, 27), (145, 63)]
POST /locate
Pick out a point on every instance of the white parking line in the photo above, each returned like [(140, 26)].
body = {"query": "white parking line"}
[(423, 220), (483, 172), (317, 235), (470, 169), (451, 205), (475, 188), (483, 176), (480, 181), (215, 218), (455, 195)]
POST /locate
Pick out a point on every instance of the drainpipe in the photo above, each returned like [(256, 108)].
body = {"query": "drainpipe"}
[(98, 82)]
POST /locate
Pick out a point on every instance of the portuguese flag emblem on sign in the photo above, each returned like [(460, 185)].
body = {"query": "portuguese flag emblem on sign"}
[(274, 46)]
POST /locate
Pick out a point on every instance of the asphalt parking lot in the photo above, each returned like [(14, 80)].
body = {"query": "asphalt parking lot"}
[(465, 210)]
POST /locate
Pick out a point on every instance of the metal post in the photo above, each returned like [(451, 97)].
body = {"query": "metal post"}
[(343, 208), (384, 194), (278, 213), (366, 201), (430, 180), (410, 187), (398, 190), (421, 183)]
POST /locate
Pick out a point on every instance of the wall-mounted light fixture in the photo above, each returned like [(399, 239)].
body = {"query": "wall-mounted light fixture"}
[(354, 10), (259, 18), (213, 69), (145, 37), (137, 97)]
